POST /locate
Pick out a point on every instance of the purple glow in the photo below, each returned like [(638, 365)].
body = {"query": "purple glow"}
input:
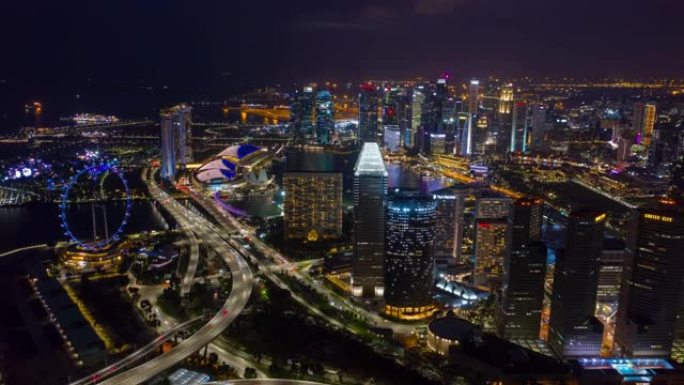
[(231, 209)]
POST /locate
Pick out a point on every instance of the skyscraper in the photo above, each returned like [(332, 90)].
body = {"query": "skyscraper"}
[(573, 329), (176, 138), (182, 120), (504, 121), (506, 100), (519, 127), (491, 247), (449, 225), (370, 196), (392, 137), (643, 121), (418, 99), (325, 117), (168, 146), (520, 307), (313, 205), (473, 96), (491, 243), (302, 113), (368, 114), (538, 126), (409, 263), (651, 288)]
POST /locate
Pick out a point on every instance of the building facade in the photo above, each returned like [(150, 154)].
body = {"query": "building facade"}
[(520, 307), (651, 289), (313, 205), (370, 199), (368, 114), (573, 329), (409, 263)]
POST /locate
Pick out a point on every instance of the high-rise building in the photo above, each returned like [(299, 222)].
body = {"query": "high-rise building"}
[(370, 199), (506, 100), (437, 144), (313, 205), (325, 117), (168, 147), (449, 225), (491, 206), (176, 138), (503, 125), (623, 150), (651, 288), (491, 247), (610, 272), (643, 121), (183, 125), (418, 99), (491, 229), (573, 329), (409, 256), (519, 127), (538, 126), (368, 114), (519, 313), (302, 113), (474, 96), (392, 137)]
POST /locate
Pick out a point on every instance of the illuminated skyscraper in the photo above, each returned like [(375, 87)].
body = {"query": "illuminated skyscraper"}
[(506, 100), (183, 124), (370, 199), (519, 127), (492, 206), (520, 307), (491, 247), (412, 140), (473, 96), (651, 289), (168, 147), (409, 256), (503, 127), (449, 225), (392, 137), (610, 273), (176, 138), (302, 113), (313, 205), (643, 121), (368, 114), (573, 329), (538, 126), (325, 117)]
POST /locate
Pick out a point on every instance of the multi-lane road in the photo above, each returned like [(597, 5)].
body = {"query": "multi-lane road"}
[(237, 300)]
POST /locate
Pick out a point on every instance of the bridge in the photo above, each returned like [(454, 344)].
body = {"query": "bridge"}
[(14, 197), (279, 114)]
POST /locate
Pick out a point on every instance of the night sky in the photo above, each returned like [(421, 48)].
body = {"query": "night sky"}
[(48, 44)]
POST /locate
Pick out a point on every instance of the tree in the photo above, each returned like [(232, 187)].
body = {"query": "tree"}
[(250, 373)]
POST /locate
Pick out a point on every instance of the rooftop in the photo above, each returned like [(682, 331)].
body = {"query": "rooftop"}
[(370, 161)]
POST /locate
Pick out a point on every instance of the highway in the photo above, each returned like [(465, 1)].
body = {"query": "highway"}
[(229, 223), (135, 356), (269, 381), (174, 209), (239, 295)]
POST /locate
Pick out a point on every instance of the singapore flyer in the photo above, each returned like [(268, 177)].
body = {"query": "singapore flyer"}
[(94, 202)]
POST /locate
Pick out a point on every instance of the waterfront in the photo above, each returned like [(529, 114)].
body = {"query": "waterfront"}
[(38, 223), (297, 160)]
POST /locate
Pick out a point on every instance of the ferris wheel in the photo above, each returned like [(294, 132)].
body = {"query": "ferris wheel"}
[(94, 185)]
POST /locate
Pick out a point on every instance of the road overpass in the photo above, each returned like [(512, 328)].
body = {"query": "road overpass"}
[(237, 300)]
